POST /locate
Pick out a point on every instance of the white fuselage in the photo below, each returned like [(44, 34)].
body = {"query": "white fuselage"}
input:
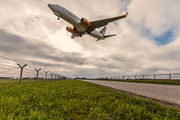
[(73, 19)]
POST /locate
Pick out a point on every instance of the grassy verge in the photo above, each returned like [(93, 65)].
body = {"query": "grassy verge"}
[(168, 82), (73, 99), (15, 81)]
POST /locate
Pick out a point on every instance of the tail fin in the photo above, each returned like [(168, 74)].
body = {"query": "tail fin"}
[(103, 31)]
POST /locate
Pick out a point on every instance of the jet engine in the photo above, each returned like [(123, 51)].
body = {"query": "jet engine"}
[(70, 29), (85, 22)]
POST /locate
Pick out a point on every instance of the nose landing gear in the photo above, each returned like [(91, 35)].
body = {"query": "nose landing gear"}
[(57, 15)]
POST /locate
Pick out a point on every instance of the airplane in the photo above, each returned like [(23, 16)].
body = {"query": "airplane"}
[(83, 26)]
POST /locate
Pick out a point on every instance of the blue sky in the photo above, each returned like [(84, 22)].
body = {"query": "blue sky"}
[(165, 38), (160, 40)]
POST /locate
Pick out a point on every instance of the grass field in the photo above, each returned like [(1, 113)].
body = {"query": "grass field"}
[(168, 82), (16, 81), (73, 99)]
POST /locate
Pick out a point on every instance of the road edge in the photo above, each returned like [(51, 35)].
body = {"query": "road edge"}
[(141, 96)]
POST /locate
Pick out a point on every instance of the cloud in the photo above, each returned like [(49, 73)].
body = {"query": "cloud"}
[(156, 16), (36, 52)]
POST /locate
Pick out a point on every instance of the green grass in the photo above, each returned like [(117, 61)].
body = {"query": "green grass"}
[(16, 81), (168, 82), (73, 99)]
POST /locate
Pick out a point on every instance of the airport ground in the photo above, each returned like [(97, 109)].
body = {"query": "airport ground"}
[(23, 81), (158, 81), (27, 81), (74, 99), (164, 93)]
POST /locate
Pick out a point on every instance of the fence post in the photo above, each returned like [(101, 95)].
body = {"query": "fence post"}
[(51, 75), (143, 77), (59, 76), (170, 77), (54, 73), (37, 73), (55, 76), (21, 72), (154, 77), (46, 75)]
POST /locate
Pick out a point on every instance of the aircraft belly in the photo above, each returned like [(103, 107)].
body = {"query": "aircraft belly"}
[(81, 28), (96, 35), (70, 19), (74, 22)]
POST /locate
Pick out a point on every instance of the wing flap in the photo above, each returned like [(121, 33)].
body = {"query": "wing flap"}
[(73, 35)]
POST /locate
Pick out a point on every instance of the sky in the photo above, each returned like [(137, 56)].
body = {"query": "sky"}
[(147, 41)]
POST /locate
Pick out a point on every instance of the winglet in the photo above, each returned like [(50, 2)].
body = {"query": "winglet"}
[(126, 14)]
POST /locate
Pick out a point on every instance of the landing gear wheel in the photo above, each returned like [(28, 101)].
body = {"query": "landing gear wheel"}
[(58, 18)]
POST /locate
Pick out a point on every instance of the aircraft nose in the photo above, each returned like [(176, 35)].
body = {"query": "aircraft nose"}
[(49, 5)]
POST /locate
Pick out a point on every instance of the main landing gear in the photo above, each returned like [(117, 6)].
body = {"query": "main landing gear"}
[(58, 18), (88, 31)]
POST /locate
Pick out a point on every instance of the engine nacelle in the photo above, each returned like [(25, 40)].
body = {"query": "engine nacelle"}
[(70, 29), (85, 22)]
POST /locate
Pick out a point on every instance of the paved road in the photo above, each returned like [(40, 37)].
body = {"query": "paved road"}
[(167, 93)]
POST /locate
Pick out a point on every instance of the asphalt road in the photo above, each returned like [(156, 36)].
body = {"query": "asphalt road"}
[(166, 93)]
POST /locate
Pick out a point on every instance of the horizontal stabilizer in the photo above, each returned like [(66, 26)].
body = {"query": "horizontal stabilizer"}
[(106, 36)]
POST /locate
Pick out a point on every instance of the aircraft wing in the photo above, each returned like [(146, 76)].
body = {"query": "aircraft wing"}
[(101, 23)]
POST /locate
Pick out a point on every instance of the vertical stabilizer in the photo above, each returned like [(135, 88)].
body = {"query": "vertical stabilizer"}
[(103, 31)]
